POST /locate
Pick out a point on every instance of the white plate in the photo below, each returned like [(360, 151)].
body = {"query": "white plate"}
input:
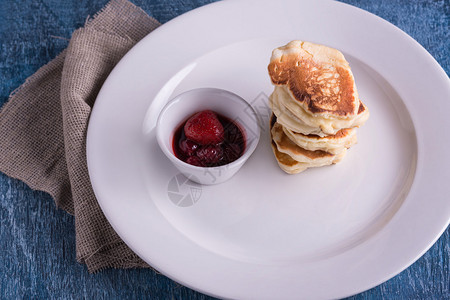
[(325, 233)]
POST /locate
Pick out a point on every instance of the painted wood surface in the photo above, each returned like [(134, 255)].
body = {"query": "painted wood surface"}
[(37, 241)]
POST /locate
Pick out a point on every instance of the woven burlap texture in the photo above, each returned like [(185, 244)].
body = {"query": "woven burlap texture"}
[(44, 123)]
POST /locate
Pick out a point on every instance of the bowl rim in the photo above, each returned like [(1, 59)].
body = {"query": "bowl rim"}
[(249, 149)]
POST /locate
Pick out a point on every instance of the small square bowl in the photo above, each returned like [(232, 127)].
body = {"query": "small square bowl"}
[(223, 102)]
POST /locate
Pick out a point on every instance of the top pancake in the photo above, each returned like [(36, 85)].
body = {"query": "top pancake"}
[(318, 77), (292, 115)]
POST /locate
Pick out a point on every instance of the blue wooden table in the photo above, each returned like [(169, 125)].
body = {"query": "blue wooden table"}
[(37, 241)]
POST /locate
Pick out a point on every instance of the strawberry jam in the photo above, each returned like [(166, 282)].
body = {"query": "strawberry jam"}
[(208, 139)]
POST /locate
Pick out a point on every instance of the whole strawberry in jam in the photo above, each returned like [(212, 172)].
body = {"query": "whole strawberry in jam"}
[(204, 128)]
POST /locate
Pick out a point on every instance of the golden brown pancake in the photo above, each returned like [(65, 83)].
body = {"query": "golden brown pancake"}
[(285, 145), (318, 77), (343, 139), (292, 115), (293, 159), (287, 163)]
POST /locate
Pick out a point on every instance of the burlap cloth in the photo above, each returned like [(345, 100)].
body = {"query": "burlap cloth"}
[(43, 128)]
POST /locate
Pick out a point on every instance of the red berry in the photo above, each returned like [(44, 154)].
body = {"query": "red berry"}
[(195, 161), (210, 155), (188, 147), (233, 134), (204, 128), (231, 152)]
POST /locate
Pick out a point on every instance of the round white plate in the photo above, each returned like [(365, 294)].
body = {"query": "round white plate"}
[(325, 233)]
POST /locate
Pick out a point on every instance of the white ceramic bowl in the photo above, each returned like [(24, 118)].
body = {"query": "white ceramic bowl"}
[(221, 101)]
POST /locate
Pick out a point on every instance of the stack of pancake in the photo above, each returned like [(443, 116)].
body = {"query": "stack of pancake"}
[(315, 106)]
